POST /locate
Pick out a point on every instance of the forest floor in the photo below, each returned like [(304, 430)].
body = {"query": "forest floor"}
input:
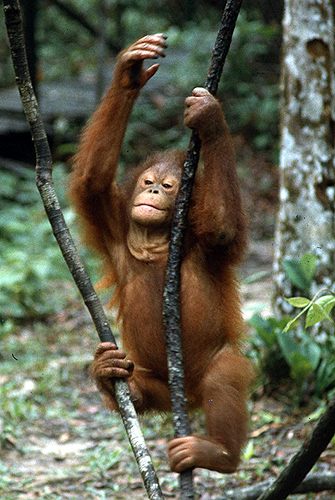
[(58, 442)]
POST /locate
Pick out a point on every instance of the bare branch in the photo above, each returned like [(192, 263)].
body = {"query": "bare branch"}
[(307, 456), (65, 241), (171, 304), (314, 483)]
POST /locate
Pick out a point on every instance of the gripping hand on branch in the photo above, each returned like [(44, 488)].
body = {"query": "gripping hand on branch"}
[(204, 114)]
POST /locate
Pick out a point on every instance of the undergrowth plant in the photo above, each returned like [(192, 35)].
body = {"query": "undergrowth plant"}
[(29, 258), (33, 275), (287, 348)]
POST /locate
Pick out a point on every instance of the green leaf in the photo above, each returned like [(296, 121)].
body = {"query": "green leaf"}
[(308, 264), (311, 351), (300, 367), (315, 314), (325, 375), (298, 301), (9, 279), (320, 310), (302, 356), (327, 302), (256, 277), (289, 324), (288, 346), (314, 416), (295, 274), (249, 451), (264, 328), (300, 272)]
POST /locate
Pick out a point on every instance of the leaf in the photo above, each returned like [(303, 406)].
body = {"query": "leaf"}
[(315, 314), (256, 277), (300, 367), (325, 375), (311, 351), (320, 310), (289, 324), (308, 264), (249, 451), (9, 279), (258, 322), (314, 416), (298, 301), (288, 347), (264, 329), (327, 302), (295, 274), (302, 356), (300, 272)]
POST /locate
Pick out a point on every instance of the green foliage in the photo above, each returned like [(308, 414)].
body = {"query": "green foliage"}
[(250, 80), (5, 476), (250, 96), (36, 375), (30, 261), (317, 309), (61, 39), (249, 86), (266, 352), (310, 355), (250, 99), (103, 458), (280, 355), (17, 406), (302, 355), (249, 451), (301, 272), (277, 345)]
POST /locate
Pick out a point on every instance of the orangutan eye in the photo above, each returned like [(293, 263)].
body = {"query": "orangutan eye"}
[(167, 186), (148, 182)]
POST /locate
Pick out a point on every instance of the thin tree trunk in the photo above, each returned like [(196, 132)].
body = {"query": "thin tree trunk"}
[(314, 483), (51, 204), (171, 296), (30, 16), (306, 221), (303, 461)]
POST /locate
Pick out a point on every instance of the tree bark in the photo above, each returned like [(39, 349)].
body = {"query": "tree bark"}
[(171, 295), (306, 220), (303, 461), (30, 16), (314, 483), (61, 232)]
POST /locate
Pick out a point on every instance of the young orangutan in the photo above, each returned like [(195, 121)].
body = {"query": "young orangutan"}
[(129, 225)]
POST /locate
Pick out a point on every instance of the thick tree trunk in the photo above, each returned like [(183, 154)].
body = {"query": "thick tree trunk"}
[(306, 220)]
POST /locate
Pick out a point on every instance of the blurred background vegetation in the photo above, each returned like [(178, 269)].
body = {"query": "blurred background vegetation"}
[(75, 44), (43, 330), (62, 48)]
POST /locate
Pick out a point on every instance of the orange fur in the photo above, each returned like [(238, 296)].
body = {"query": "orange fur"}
[(217, 375)]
